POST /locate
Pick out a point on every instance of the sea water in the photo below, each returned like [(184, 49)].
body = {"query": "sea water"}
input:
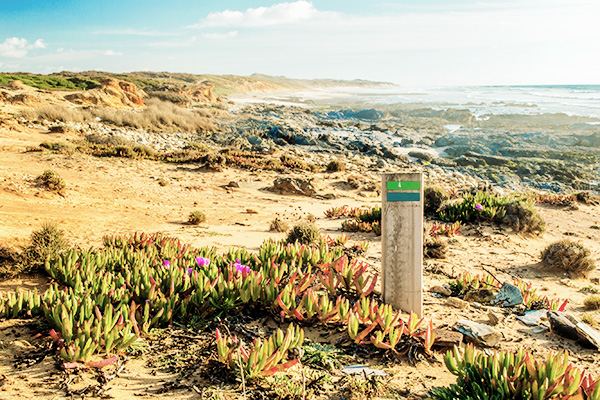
[(578, 100)]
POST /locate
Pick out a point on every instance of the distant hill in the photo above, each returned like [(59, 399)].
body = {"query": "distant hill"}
[(223, 84)]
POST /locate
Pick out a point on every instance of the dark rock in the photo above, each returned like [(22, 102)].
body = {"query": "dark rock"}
[(480, 296), (508, 296), (589, 334), (294, 186), (561, 325), (491, 160), (444, 162), (421, 155), (463, 161), (371, 114)]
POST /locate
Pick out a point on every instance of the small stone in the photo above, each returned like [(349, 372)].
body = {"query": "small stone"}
[(441, 290), (481, 334), (494, 319), (457, 303), (251, 211), (233, 184), (446, 338)]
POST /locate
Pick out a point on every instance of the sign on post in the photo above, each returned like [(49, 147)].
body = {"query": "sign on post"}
[(402, 241)]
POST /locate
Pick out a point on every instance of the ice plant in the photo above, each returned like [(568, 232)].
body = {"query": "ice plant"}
[(241, 269), (167, 263), (202, 262), (479, 207)]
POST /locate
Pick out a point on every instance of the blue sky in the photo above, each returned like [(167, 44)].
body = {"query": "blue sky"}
[(413, 43)]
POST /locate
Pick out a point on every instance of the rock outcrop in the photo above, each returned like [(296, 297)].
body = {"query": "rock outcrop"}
[(112, 93)]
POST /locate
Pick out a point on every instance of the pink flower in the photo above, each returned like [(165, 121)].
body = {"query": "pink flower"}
[(479, 207), (241, 268), (202, 262), (167, 263)]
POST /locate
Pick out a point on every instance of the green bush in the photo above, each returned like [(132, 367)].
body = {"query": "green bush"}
[(479, 207), (568, 256), (304, 233), (433, 198), (48, 243), (196, 218), (50, 180)]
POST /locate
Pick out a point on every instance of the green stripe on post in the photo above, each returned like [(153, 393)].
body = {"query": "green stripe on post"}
[(404, 185)]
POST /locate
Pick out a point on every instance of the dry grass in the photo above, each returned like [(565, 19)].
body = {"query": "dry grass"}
[(51, 181), (523, 218), (568, 256), (196, 218), (278, 225), (433, 198), (592, 302), (159, 116)]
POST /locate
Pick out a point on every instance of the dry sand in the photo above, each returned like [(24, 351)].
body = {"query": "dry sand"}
[(109, 196)]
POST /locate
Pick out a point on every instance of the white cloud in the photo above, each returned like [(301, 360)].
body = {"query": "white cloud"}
[(112, 53), (133, 32), (15, 47), (277, 14), (217, 36)]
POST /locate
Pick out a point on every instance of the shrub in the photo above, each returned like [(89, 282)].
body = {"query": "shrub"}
[(433, 198), (479, 207), (196, 218), (9, 261), (124, 151), (522, 217), (336, 166), (143, 150), (48, 243), (434, 247), (304, 233), (56, 146), (278, 225), (592, 302), (568, 256), (50, 180)]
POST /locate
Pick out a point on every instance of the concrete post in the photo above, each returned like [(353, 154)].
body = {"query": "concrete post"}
[(402, 241)]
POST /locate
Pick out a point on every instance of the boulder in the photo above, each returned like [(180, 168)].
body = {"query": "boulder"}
[(294, 186)]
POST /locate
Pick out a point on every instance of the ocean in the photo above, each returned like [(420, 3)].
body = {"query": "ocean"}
[(577, 100)]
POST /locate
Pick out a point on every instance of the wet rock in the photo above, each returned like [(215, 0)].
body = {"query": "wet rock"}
[(508, 296), (370, 114), (481, 334), (294, 186)]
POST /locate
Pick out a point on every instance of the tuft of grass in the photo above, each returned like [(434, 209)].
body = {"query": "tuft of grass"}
[(10, 264), (51, 181), (434, 247), (589, 319), (323, 356), (196, 218), (304, 233), (46, 244), (278, 225), (592, 302), (336, 166), (522, 217), (433, 198), (568, 256)]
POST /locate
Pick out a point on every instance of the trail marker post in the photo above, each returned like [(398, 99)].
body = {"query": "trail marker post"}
[(402, 241)]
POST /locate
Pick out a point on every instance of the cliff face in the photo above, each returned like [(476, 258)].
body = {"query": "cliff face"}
[(112, 93)]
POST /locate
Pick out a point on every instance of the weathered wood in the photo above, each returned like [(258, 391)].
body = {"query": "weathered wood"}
[(402, 240)]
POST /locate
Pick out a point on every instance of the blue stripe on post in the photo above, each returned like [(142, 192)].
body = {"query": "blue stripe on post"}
[(404, 196)]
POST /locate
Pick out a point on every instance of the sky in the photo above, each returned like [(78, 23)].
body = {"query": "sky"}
[(411, 43)]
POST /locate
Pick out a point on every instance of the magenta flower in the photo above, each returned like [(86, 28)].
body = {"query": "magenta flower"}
[(202, 262), (241, 268), (167, 263), (479, 207), (189, 271)]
